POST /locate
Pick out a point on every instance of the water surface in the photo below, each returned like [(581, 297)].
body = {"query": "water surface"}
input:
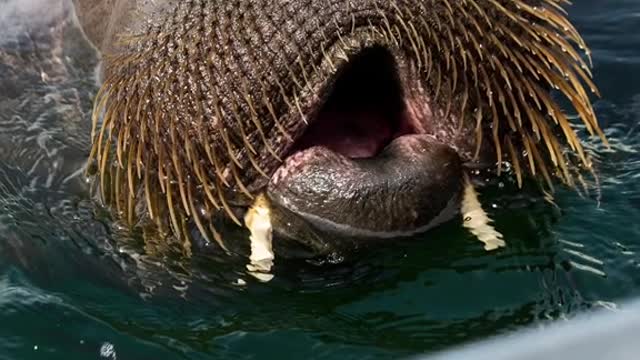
[(69, 290)]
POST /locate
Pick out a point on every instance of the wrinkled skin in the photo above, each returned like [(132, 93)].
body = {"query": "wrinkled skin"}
[(337, 123)]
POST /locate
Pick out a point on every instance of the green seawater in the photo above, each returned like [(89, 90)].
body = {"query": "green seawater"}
[(69, 290)]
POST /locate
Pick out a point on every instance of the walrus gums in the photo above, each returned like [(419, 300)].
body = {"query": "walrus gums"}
[(360, 118)]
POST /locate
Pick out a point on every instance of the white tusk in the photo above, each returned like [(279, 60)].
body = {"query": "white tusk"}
[(476, 220), (258, 221)]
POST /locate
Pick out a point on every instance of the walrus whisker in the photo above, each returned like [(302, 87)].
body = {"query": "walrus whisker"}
[(131, 209), (409, 34), (327, 58), (130, 169), (98, 106), (303, 70), (230, 150), (239, 182), (526, 141), (303, 117), (478, 132), (226, 207), (161, 169), (103, 168), (256, 122), (316, 71), (238, 120), (463, 106), (199, 172), (120, 139), (541, 165), (547, 141), (147, 194), (106, 126), (172, 209), (116, 189), (276, 120), (503, 105), (182, 187), (429, 62), (257, 167), (209, 148), (448, 100), (515, 161), (294, 78), (196, 216), (496, 138)]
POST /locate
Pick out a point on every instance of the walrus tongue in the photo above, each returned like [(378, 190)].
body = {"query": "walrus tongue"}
[(356, 134), (411, 185)]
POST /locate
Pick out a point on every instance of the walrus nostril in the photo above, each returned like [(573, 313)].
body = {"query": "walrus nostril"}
[(364, 107)]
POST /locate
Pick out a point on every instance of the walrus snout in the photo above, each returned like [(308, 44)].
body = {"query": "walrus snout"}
[(204, 101)]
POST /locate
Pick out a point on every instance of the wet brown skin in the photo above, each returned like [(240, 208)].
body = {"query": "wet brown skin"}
[(359, 116)]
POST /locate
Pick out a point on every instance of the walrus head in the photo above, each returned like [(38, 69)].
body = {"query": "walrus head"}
[(361, 116)]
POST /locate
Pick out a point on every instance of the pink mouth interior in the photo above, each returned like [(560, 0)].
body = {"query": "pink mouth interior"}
[(365, 110)]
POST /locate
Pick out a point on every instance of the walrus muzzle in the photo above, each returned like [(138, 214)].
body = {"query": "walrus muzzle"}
[(356, 116)]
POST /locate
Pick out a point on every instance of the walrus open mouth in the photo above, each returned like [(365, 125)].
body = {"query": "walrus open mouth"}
[(365, 154), (364, 109)]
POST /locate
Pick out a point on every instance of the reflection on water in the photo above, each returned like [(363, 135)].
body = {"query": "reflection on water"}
[(68, 289)]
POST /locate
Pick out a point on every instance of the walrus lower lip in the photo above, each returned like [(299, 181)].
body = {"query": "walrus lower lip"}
[(412, 185)]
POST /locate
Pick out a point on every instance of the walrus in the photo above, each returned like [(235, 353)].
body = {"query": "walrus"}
[(358, 118)]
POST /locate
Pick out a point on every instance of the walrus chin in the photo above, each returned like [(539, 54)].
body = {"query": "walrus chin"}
[(366, 162)]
